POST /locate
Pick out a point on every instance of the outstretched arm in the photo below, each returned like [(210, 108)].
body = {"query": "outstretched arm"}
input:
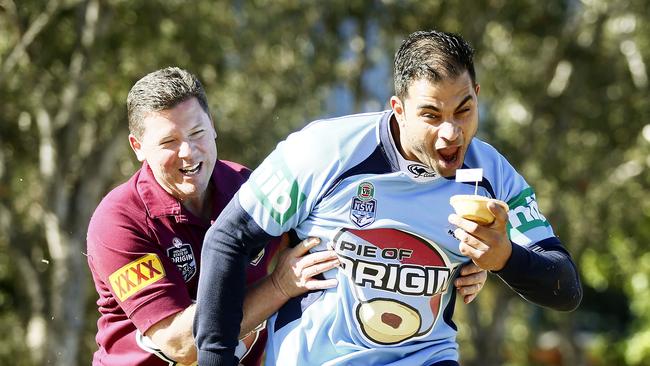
[(543, 273), (227, 248), (173, 335), (293, 276)]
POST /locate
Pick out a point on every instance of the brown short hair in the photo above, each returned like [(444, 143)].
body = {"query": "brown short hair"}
[(160, 90), (431, 55)]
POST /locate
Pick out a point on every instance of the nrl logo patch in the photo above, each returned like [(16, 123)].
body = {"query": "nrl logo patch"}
[(363, 209), (182, 256)]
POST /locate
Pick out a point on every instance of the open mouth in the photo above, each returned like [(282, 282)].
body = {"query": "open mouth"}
[(449, 154), (192, 170)]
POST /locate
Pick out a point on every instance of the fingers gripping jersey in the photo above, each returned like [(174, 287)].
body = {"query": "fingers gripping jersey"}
[(344, 181)]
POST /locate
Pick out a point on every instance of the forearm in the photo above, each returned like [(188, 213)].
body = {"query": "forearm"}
[(262, 300), (173, 335), (222, 284), (544, 275)]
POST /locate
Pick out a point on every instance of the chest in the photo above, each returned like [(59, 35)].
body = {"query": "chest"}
[(368, 205), (181, 243)]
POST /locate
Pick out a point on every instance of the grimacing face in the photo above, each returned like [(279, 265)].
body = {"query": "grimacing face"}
[(437, 121), (179, 146)]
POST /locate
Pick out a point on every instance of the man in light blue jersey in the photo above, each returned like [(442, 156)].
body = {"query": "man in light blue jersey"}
[(377, 191)]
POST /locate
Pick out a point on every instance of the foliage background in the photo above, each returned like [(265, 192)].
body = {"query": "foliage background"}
[(564, 95)]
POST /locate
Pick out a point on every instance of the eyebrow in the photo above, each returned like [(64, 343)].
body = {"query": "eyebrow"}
[(431, 106)]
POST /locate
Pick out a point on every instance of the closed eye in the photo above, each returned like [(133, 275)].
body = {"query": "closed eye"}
[(430, 116), (197, 133)]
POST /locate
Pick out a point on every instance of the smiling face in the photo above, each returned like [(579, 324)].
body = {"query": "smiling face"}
[(179, 146), (436, 121)]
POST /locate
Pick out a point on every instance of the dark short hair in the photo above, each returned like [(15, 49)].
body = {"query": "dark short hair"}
[(160, 90), (431, 55)]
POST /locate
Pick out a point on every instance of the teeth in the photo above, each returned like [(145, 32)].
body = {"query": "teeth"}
[(191, 170)]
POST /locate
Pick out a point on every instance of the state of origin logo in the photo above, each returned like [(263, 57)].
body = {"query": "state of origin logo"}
[(397, 279)]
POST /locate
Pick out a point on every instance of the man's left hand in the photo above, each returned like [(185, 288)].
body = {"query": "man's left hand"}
[(470, 281), (297, 269)]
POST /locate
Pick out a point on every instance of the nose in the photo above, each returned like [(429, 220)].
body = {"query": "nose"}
[(449, 130), (185, 149)]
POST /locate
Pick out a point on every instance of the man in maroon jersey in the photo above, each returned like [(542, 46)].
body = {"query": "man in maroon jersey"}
[(145, 237)]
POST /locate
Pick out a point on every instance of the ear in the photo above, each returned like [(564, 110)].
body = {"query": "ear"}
[(214, 132), (477, 88), (214, 129), (137, 147), (398, 107)]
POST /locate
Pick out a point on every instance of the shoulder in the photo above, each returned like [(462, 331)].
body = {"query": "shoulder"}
[(121, 208), (483, 155), (321, 151), (481, 149), (497, 170), (120, 202), (325, 141), (290, 181), (231, 169), (338, 130)]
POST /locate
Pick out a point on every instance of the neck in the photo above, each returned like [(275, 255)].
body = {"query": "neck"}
[(394, 131), (201, 206)]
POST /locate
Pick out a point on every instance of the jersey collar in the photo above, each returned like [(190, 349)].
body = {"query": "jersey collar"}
[(415, 170), (160, 203)]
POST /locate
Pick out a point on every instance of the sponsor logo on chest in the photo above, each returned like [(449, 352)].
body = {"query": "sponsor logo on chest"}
[(397, 279), (182, 255)]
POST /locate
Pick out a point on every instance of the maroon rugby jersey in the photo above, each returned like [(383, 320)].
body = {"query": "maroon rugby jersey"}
[(144, 251)]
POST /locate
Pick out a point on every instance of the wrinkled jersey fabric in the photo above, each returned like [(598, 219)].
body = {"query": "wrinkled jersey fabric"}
[(344, 181)]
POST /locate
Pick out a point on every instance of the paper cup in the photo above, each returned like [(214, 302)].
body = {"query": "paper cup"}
[(474, 208)]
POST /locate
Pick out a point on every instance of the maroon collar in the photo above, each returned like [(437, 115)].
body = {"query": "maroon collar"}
[(160, 203)]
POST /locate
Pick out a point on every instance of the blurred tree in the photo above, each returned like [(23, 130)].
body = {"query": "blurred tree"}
[(564, 95)]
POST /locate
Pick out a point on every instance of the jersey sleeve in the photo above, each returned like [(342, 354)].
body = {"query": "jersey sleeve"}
[(540, 269), (282, 191), (526, 224), (130, 266)]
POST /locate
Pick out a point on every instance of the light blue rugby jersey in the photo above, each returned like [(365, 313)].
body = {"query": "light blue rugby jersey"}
[(344, 181)]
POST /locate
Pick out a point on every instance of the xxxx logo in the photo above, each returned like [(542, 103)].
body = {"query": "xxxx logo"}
[(136, 275)]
